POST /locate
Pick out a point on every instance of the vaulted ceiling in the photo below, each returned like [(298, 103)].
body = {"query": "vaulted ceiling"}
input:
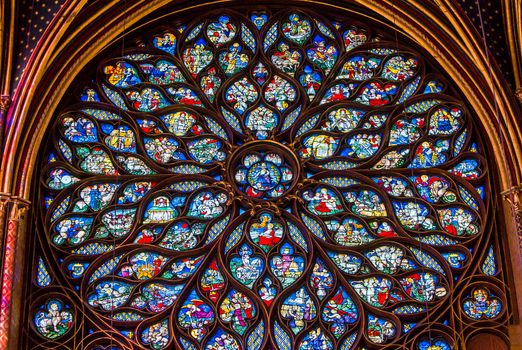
[(489, 12)]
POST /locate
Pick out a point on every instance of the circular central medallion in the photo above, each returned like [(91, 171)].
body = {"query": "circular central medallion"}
[(265, 175), (263, 170)]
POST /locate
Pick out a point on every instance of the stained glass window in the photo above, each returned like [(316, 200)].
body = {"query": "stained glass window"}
[(264, 180)]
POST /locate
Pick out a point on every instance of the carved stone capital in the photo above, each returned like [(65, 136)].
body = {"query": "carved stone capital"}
[(19, 208), (4, 200), (5, 102), (514, 197)]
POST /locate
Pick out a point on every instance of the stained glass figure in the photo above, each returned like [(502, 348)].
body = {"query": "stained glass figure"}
[(482, 305), (53, 319)]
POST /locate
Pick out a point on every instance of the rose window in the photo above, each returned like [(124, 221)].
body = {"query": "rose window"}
[(257, 181)]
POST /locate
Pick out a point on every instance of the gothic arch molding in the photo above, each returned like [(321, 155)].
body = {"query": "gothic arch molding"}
[(28, 103)]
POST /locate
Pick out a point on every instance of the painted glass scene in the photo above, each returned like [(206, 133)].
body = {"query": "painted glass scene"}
[(264, 180)]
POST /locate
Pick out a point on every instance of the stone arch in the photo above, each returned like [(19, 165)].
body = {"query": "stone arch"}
[(470, 72)]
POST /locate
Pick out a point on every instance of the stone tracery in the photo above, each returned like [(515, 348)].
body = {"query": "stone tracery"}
[(379, 160)]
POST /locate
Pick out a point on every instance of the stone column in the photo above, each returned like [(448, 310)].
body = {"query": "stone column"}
[(4, 200), (5, 103), (514, 198), (512, 234), (16, 208)]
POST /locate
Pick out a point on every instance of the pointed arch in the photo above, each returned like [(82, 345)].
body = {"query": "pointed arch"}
[(67, 49)]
